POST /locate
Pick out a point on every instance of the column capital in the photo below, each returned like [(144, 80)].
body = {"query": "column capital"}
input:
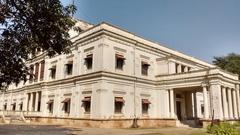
[(205, 84), (237, 86)]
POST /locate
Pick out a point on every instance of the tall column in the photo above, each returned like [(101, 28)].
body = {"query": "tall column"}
[(185, 69), (179, 68), (25, 102), (36, 101), (167, 106), (195, 104), (216, 98), (172, 113), (230, 105), (225, 105), (238, 100), (31, 102), (205, 100), (234, 104)]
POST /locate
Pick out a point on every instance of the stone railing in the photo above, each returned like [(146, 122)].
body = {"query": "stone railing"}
[(198, 73)]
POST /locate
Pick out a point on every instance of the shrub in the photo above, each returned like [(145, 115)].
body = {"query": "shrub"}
[(223, 129)]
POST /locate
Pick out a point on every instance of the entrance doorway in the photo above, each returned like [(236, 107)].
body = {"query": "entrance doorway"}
[(179, 110)]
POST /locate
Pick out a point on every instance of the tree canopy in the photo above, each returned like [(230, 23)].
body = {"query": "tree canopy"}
[(27, 26), (230, 63)]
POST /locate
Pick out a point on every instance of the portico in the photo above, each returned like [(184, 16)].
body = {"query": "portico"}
[(202, 95)]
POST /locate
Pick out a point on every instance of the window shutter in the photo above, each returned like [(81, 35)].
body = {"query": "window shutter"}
[(31, 73), (42, 70), (36, 72)]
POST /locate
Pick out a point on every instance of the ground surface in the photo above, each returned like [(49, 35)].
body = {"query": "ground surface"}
[(64, 130)]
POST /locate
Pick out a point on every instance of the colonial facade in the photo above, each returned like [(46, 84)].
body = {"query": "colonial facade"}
[(113, 76)]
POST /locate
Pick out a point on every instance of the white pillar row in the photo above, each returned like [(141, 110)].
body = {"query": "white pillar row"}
[(31, 102), (234, 104), (36, 101), (205, 100), (225, 105), (230, 105), (172, 112)]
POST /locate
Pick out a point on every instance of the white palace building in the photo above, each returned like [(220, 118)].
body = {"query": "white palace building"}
[(114, 77)]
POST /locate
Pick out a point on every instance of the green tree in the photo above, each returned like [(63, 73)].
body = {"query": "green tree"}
[(27, 26), (230, 63)]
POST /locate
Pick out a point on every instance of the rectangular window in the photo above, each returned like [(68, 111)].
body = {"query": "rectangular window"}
[(31, 73), (66, 105), (89, 61), (50, 105), (53, 72), (145, 67), (145, 106), (21, 106), (42, 70), (119, 61), (202, 108), (14, 106), (189, 69), (69, 68), (87, 104), (5, 106), (36, 72), (118, 104)]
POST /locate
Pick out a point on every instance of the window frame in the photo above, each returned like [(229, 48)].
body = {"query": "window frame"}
[(42, 70), (69, 68), (86, 102), (89, 61), (118, 105), (144, 68), (119, 61), (53, 74), (145, 106), (36, 74)]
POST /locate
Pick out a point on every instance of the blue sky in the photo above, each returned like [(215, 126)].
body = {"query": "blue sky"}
[(200, 28)]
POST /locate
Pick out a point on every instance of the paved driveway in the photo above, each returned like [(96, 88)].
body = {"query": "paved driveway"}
[(36, 129)]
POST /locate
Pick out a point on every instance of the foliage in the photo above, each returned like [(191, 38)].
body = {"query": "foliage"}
[(27, 26), (231, 63), (223, 129)]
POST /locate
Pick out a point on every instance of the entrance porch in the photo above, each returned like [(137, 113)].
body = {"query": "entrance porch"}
[(202, 95)]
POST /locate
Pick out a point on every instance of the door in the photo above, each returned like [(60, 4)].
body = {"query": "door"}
[(179, 110)]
